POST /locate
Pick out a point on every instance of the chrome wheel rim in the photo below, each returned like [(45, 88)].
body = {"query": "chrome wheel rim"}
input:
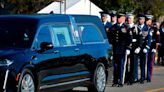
[(100, 79), (27, 84)]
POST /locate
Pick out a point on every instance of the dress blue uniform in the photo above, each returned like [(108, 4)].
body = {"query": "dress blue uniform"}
[(121, 40), (151, 56), (112, 23), (146, 43), (107, 25), (134, 56), (113, 16), (132, 73)]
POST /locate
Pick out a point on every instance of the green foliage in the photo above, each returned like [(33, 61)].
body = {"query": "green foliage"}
[(24, 6), (155, 7)]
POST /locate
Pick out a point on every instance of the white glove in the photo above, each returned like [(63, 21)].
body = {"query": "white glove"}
[(144, 50), (127, 52), (154, 50), (137, 50)]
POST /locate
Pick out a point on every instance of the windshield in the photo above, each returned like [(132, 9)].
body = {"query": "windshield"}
[(14, 34)]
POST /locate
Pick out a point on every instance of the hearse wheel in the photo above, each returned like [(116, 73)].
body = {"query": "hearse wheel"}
[(26, 82), (99, 79)]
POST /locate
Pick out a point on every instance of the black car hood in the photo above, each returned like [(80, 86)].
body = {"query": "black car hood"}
[(6, 52)]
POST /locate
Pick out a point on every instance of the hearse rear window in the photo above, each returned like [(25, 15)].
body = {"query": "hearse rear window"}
[(89, 33), (62, 35)]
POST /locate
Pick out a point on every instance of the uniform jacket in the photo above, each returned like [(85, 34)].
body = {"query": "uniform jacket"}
[(146, 37), (155, 37), (107, 26), (136, 37), (120, 38)]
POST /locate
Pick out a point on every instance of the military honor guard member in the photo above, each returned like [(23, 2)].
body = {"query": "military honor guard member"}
[(106, 23), (154, 43), (145, 47), (132, 75), (121, 39), (113, 15)]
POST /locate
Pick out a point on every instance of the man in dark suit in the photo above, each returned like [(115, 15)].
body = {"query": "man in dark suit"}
[(121, 39)]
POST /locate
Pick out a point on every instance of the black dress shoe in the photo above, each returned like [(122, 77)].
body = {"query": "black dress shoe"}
[(120, 85), (130, 83), (135, 81), (114, 84), (148, 80), (141, 82)]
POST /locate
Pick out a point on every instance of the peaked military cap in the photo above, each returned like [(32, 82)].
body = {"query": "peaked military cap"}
[(120, 14), (112, 13), (141, 16), (103, 13), (149, 17), (129, 15)]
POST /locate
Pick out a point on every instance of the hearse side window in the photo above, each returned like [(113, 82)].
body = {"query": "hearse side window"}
[(89, 33), (62, 35), (44, 35), (16, 34)]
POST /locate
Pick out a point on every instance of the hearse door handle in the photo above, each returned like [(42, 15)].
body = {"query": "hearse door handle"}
[(77, 49), (56, 51)]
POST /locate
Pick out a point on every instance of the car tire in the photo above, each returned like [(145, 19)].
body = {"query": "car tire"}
[(98, 79), (26, 82)]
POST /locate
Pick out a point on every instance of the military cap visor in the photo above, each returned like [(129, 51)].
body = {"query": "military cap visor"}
[(141, 16), (149, 17), (120, 15), (103, 14), (113, 13), (129, 15)]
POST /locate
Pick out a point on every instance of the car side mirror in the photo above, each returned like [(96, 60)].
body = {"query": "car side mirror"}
[(46, 46)]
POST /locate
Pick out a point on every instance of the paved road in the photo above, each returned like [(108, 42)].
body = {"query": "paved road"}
[(157, 84)]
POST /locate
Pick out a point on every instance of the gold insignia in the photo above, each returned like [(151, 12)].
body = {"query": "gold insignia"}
[(123, 30), (157, 33), (107, 29)]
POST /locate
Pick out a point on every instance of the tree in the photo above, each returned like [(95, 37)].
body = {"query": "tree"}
[(24, 6), (155, 7)]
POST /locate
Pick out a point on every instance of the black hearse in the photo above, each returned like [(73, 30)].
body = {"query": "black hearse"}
[(52, 52)]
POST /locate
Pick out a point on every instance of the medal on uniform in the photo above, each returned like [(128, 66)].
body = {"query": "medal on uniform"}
[(123, 30)]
